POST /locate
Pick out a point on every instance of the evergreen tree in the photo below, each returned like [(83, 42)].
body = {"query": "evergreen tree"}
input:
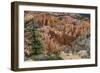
[(36, 42)]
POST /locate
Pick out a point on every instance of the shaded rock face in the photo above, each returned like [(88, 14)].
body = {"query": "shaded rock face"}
[(59, 31), (40, 57)]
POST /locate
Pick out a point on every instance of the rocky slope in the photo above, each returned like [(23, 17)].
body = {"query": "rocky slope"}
[(60, 32)]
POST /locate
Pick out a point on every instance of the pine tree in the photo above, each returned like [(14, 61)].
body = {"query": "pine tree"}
[(36, 42)]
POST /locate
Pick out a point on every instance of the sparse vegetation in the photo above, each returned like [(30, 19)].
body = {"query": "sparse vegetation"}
[(56, 36)]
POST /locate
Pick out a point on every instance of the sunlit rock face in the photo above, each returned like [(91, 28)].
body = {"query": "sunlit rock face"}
[(60, 32)]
